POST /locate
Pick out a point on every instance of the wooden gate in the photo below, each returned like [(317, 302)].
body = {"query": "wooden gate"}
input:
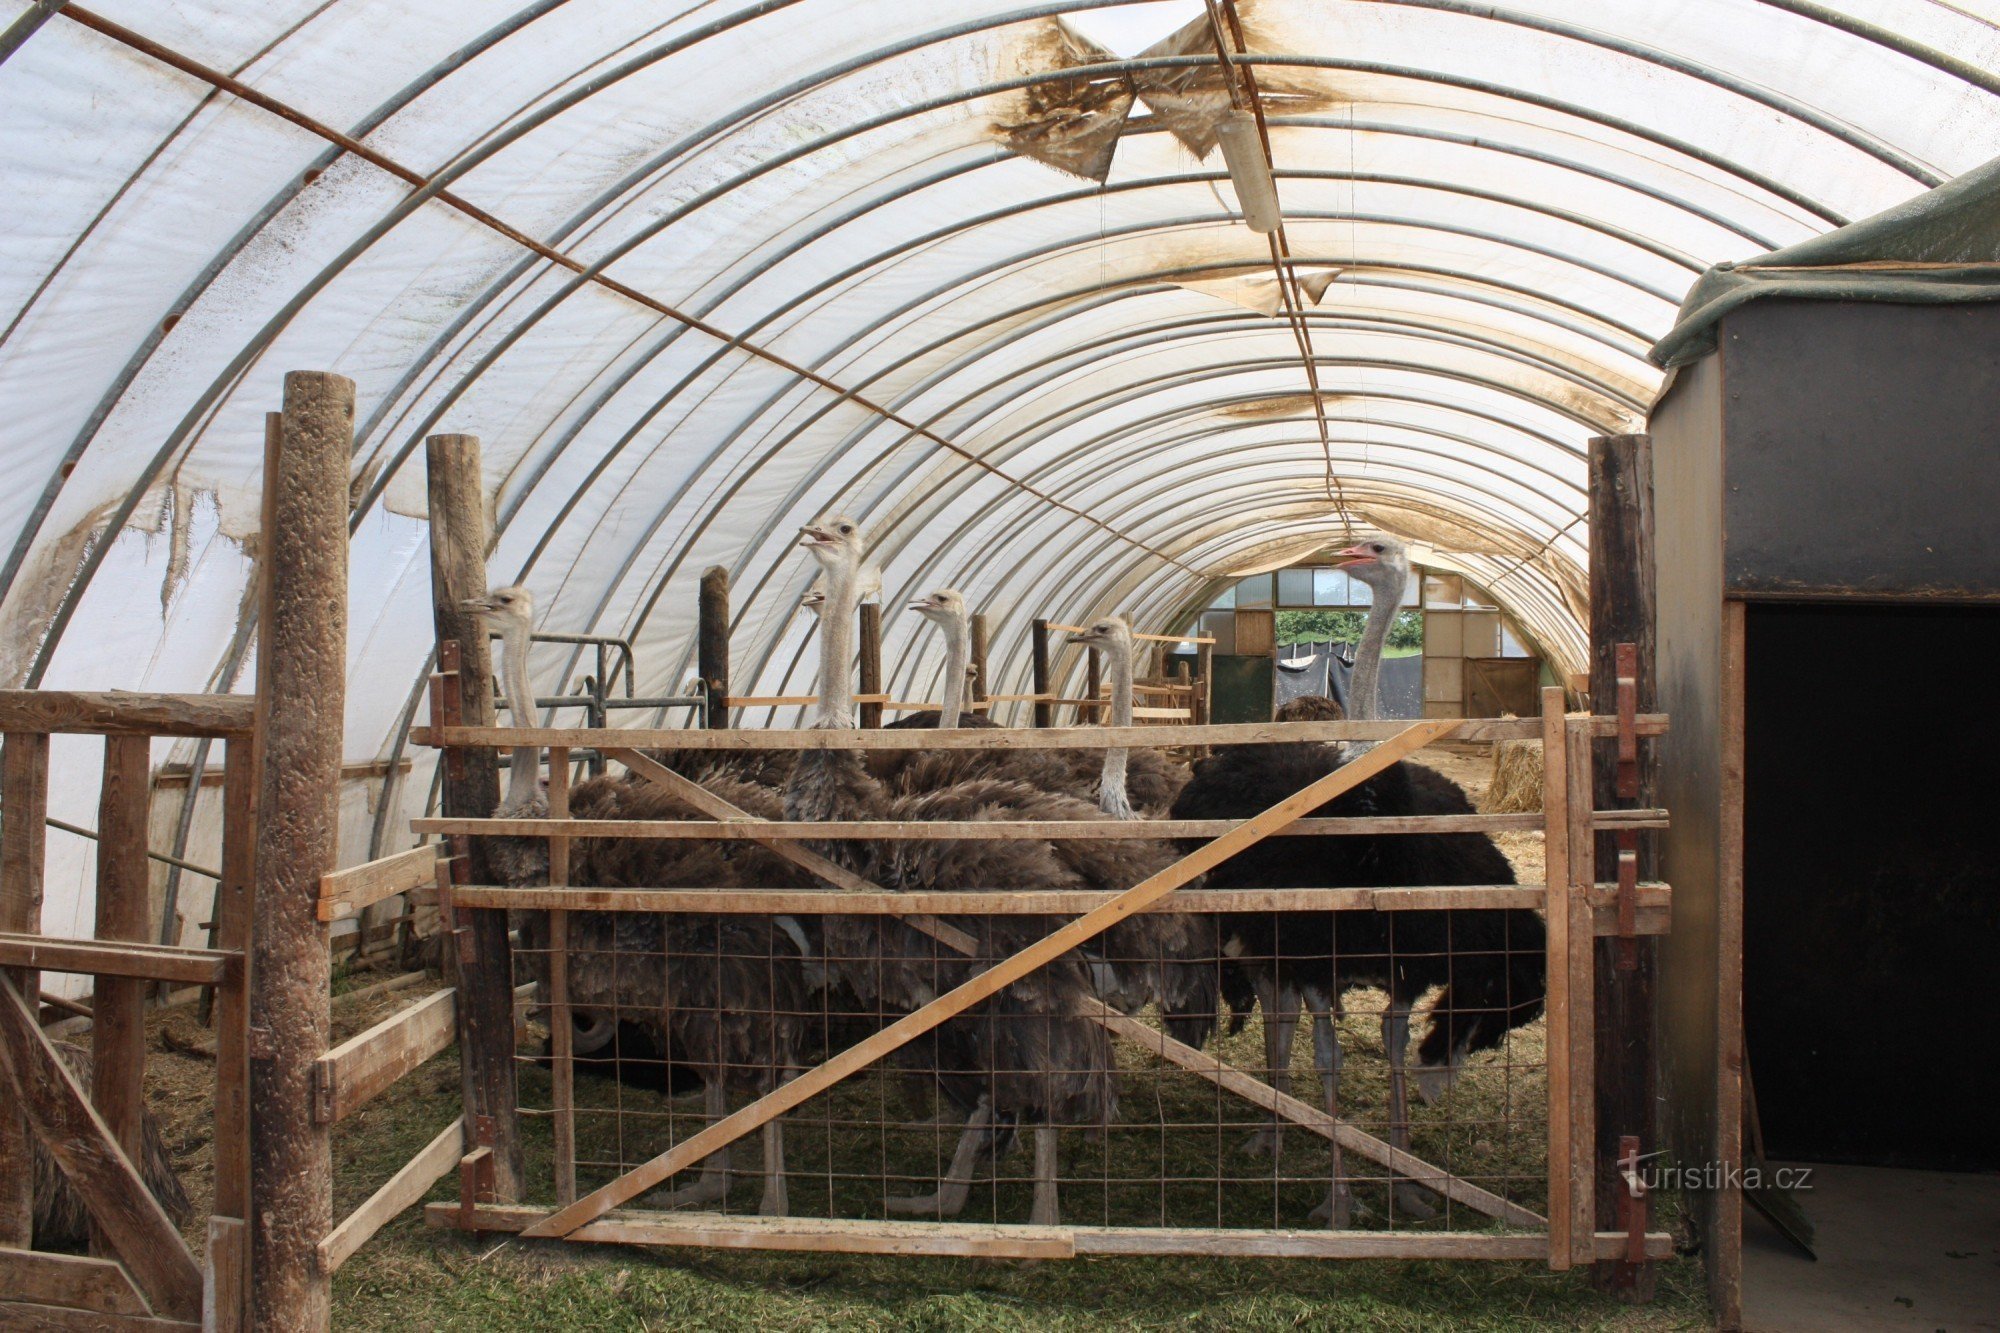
[(1577, 910), (142, 1274)]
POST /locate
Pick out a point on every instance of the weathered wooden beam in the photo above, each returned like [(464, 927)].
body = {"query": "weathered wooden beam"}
[(1655, 901), (471, 786), (353, 1073), (102, 1285), (149, 962), (635, 1227), (945, 830), (345, 892), (712, 643), (124, 894), (24, 805), (57, 1319), (1582, 996), (1624, 609), (403, 1190), (234, 911), (992, 738), (981, 683), (1038, 647), (225, 1289), (870, 697), (1556, 1001), (301, 694), (971, 992), (126, 713), (83, 1146)]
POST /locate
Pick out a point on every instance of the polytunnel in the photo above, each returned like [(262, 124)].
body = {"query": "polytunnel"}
[(974, 273)]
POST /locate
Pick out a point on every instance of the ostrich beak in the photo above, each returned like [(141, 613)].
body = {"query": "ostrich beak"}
[(480, 604), (1357, 554), (813, 535)]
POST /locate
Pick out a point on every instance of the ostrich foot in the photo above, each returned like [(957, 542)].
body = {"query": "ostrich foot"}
[(949, 1198), (1267, 1141), (711, 1188), (1337, 1211), (1414, 1201)]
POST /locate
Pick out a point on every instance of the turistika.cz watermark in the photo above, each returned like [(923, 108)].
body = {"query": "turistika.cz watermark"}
[(1659, 1175)]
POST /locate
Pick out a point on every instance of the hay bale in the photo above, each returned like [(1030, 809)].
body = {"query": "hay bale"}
[(1516, 787), (61, 1220)]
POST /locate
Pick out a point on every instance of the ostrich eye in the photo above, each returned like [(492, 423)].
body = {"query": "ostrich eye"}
[(847, 527)]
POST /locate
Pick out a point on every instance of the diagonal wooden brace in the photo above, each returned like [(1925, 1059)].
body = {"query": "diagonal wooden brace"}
[(987, 983)]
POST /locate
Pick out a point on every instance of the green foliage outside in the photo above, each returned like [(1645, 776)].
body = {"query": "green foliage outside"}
[(1345, 627)]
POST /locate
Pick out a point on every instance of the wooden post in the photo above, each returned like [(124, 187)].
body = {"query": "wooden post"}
[(980, 684), (124, 894), (562, 1070), (1093, 683), (1623, 610), (1204, 665), (1555, 879), (1044, 714), (471, 787), (711, 653), (871, 661), (24, 806), (301, 696), (228, 1273)]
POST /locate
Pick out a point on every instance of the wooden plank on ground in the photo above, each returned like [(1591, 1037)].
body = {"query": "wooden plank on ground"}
[(82, 1144), (1057, 942), (127, 712), (345, 892), (403, 1190), (150, 962), (1007, 1240), (995, 738), (24, 808), (68, 1279), (347, 1077)]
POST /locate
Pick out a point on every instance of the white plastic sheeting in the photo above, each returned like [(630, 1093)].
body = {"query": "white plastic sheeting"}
[(1499, 207)]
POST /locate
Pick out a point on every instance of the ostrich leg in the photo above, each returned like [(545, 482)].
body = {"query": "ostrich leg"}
[(1047, 1211), (1411, 1197), (1337, 1211), (714, 1182), (1280, 1004), (949, 1198), (776, 1202)]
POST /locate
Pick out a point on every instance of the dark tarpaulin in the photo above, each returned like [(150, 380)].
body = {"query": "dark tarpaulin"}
[(1940, 248)]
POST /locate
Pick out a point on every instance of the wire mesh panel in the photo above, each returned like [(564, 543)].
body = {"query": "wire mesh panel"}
[(679, 1017)]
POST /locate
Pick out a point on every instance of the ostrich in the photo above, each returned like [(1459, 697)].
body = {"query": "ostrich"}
[(1027, 1055), (1489, 962), (726, 996)]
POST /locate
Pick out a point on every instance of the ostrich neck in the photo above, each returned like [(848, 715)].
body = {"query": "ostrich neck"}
[(523, 775), (836, 624), (1382, 612), (1112, 797), (957, 654)]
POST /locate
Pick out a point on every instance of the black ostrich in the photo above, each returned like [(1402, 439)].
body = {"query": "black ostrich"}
[(1490, 963)]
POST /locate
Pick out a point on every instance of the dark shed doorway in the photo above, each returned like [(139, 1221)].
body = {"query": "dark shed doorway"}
[(1872, 882)]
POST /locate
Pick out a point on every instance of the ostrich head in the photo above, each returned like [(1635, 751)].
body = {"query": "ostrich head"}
[(1111, 633), (941, 608), (1489, 996), (837, 543), (504, 608), (1383, 563)]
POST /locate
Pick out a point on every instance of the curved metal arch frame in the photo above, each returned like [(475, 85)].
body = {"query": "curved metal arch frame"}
[(499, 140)]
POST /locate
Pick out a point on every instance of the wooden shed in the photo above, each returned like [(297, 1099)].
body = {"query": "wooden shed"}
[(1829, 611)]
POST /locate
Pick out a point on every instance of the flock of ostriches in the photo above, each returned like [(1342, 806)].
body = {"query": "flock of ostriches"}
[(739, 1003)]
